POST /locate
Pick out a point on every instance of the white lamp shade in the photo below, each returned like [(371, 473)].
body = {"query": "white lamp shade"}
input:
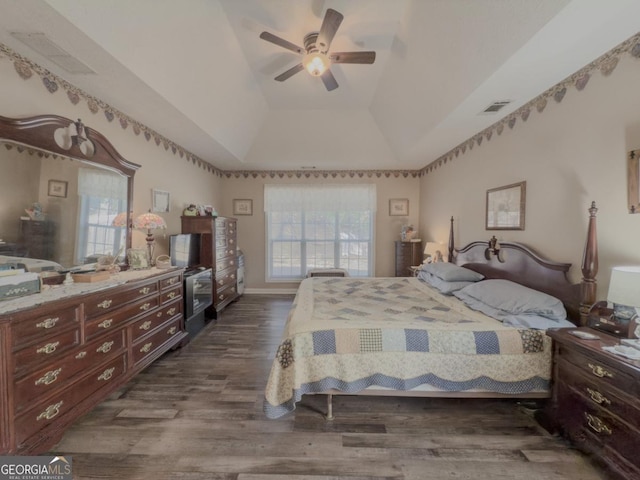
[(432, 247), (624, 287)]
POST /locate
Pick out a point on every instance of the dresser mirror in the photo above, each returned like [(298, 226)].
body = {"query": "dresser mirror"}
[(66, 194)]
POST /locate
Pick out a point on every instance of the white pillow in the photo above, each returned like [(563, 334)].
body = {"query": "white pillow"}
[(450, 272)]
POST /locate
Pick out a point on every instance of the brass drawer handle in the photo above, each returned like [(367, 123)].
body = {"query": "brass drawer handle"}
[(144, 290), (221, 297), (106, 323), (105, 347), (172, 295), (171, 281), (48, 323), (146, 347), (48, 348), (105, 304), (597, 425), (220, 282), (51, 411), (49, 377), (172, 311), (597, 397), (81, 355), (233, 276), (231, 240), (232, 262), (107, 374), (159, 314), (599, 371), (145, 306), (146, 325), (172, 330)]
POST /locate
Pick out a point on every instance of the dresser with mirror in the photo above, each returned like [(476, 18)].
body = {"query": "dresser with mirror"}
[(66, 201)]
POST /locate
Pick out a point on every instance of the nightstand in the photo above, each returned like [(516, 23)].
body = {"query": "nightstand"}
[(595, 400)]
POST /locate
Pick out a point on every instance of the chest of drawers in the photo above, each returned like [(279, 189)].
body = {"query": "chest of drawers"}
[(62, 357), (218, 251), (407, 254), (595, 400)]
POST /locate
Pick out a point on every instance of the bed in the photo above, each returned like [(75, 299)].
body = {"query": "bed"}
[(419, 337)]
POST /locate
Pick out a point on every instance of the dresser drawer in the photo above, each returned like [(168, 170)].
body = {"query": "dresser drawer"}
[(226, 263), (601, 370), (598, 394), (48, 411), (108, 302), (226, 277), (147, 346), (151, 322), (46, 350), (28, 330), (596, 427), (46, 380), (170, 282), (225, 252), (225, 294), (117, 318), (171, 294)]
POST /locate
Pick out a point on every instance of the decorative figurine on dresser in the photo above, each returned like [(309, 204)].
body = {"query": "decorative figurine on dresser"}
[(218, 251), (68, 345)]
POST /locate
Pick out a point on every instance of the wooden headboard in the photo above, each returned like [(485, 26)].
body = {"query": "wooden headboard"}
[(523, 265)]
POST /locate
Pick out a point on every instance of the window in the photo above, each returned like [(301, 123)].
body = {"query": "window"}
[(102, 198), (328, 226)]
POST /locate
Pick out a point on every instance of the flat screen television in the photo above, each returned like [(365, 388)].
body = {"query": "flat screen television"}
[(184, 250)]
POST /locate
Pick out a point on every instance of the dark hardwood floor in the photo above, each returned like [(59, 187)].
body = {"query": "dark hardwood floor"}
[(197, 414)]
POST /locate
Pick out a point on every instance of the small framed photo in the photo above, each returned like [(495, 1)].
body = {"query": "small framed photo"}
[(161, 200), (58, 188), (399, 206), (242, 206), (138, 258), (506, 207)]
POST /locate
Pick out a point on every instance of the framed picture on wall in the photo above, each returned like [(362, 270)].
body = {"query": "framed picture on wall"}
[(242, 206), (399, 206), (58, 188), (506, 207), (161, 200)]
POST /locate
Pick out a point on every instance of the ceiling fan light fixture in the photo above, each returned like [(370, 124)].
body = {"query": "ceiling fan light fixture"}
[(316, 63)]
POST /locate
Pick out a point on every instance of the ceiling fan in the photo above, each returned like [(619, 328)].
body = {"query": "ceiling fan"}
[(316, 57)]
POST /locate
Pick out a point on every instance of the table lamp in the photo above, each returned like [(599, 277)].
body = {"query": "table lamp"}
[(624, 292), (149, 222), (433, 252)]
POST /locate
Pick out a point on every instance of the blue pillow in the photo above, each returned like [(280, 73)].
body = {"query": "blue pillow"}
[(450, 272), (502, 298), (447, 288)]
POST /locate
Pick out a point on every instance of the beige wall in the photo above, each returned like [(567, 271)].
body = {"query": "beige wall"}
[(251, 229), (160, 168), (570, 154)]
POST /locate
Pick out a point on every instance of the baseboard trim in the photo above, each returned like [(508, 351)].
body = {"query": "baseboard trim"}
[(270, 291)]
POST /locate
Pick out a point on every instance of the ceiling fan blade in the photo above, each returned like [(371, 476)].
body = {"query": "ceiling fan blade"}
[(281, 42), (289, 73), (330, 24), (329, 80), (352, 57)]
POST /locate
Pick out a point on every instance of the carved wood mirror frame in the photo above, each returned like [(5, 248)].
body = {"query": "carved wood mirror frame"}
[(633, 179), (39, 133)]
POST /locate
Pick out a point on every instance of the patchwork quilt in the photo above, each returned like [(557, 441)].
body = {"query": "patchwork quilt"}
[(397, 333)]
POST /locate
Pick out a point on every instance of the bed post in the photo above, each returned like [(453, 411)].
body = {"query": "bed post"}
[(451, 242), (588, 286)]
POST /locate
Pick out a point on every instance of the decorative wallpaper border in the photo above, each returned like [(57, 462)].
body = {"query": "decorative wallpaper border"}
[(606, 64), (26, 68)]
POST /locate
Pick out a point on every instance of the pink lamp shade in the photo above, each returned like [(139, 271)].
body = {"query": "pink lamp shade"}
[(149, 221), (120, 220)]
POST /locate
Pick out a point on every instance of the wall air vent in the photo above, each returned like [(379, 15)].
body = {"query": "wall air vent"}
[(48, 49), (496, 106)]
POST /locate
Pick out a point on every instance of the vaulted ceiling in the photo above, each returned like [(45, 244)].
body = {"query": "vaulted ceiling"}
[(197, 72)]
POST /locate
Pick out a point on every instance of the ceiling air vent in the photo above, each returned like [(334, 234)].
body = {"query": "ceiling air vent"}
[(496, 106), (45, 47)]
